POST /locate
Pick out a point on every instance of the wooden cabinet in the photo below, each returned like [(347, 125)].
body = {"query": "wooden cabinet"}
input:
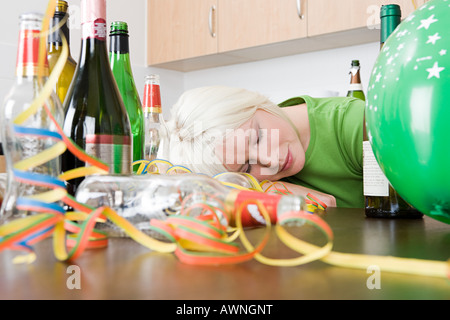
[(179, 29), (250, 23), (185, 29), (188, 35)]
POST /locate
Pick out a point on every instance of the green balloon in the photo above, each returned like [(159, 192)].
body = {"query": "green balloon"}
[(408, 109)]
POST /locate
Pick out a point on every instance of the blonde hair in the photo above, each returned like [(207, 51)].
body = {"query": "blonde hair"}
[(200, 120)]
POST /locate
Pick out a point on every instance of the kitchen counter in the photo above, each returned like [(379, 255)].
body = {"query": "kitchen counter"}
[(127, 270)]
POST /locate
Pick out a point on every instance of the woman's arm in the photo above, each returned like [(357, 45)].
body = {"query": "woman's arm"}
[(328, 199)]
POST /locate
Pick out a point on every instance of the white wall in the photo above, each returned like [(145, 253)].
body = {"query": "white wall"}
[(321, 73), (279, 79)]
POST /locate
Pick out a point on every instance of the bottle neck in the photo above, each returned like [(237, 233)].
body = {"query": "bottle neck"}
[(119, 51), (355, 77), (54, 39), (93, 19), (28, 54), (388, 25), (119, 44), (93, 31), (152, 98)]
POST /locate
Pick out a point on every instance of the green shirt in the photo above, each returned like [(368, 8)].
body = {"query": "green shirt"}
[(333, 163)]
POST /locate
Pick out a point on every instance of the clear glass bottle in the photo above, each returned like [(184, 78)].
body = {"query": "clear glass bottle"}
[(95, 115), (152, 113), (16, 144), (381, 199), (139, 198), (355, 88), (54, 48), (119, 58)]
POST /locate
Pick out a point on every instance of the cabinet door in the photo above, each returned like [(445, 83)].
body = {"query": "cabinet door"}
[(180, 29), (250, 23), (327, 16)]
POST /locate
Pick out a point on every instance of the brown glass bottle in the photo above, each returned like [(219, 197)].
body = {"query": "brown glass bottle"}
[(381, 200)]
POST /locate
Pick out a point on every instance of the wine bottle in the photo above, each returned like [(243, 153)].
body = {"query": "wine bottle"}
[(2, 158), (152, 114), (54, 48), (355, 88), (95, 115), (119, 57), (381, 199), (139, 198), (2, 189), (26, 138)]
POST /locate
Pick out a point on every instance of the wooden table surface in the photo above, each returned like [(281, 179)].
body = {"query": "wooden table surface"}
[(127, 270)]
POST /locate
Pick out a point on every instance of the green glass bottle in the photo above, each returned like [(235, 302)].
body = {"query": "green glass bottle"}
[(95, 115), (381, 199), (119, 57), (355, 89)]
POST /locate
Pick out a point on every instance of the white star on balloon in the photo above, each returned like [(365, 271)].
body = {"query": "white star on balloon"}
[(434, 71), (402, 33), (432, 39), (427, 22), (378, 77), (443, 52)]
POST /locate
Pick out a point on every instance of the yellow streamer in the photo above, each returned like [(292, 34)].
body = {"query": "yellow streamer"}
[(50, 196), (81, 172), (42, 157), (419, 267)]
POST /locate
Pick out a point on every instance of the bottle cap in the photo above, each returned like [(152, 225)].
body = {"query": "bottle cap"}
[(92, 11), (390, 10), (31, 16), (152, 78), (355, 63), (390, 18), (61, 7), (119, 27)]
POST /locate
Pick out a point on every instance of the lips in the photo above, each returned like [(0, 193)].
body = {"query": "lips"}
[(287, 161)]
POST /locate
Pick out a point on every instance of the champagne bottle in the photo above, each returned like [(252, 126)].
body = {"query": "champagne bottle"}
[(355, 89), (152, 114), (54, 48), (119, 57), (140, 198), (26, 138), (95, 115), (381, 200)]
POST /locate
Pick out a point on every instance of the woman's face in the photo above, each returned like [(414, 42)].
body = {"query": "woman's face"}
[(266, 146)]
